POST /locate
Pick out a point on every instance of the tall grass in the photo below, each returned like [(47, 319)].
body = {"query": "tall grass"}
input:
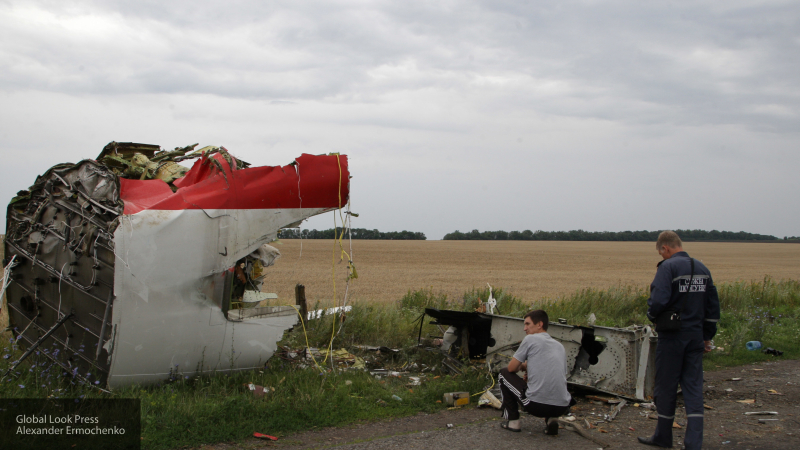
[(184, 411)]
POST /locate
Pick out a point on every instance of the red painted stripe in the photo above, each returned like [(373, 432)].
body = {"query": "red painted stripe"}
[(206, 187)]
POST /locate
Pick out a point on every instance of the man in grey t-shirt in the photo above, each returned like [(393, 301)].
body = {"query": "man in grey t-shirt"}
[(545, 393)]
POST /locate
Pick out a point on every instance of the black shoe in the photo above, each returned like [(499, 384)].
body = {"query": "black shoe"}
[(552, 426), (649, 441)]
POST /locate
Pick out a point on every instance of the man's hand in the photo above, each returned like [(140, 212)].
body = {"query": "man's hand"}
[(709, 347)]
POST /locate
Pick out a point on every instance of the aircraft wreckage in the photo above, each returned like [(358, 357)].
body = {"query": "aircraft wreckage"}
[(131, 267), (618, 361)]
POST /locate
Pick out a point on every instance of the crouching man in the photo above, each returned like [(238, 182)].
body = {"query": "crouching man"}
[(545, 393)]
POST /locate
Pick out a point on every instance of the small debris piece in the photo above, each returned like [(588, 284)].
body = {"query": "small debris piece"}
[(729, 390), (449, 425), (734, 379), (749, 401), (761, 413), (265, 436), (456, 398), (773, 392), (488, 399), (616, 410), (631, 428), (258, 391), (708, 407), (572, 426), (611, 400), (676, 425), (772, 351)]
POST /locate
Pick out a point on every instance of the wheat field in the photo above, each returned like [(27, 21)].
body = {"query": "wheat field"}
[(530, 270)]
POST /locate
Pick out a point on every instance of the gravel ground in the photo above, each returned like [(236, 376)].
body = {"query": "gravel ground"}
[(773, 386)]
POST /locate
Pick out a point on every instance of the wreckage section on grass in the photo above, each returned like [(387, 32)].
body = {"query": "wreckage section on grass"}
[(619, 361), (131, 267)]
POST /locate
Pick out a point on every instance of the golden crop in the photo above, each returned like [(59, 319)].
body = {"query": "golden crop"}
[(527, 269)]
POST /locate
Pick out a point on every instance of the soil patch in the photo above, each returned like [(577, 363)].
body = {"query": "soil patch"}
[(730, 393)]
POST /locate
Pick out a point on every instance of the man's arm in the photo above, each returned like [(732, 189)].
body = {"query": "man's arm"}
[(711, 313), (660, 292), (515, 365)]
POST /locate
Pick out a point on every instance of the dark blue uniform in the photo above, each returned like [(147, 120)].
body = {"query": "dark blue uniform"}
[(679, 354)]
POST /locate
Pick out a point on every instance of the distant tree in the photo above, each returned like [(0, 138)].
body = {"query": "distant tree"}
[(355, 233), (582, 235)]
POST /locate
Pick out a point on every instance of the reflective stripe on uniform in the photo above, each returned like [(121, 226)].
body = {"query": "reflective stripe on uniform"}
[(665, 417), (694, 415), (687, 277), (712, 320)]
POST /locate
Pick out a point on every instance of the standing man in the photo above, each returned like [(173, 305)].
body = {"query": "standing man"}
[(681, 284), (545, 393)]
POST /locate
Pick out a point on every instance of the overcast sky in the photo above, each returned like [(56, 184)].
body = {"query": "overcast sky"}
[(496, 115)]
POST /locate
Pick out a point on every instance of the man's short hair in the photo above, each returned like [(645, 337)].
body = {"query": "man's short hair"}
[(538, 315), (670, 239)]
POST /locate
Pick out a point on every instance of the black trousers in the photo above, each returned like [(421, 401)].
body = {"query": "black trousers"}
[(513, 388), (679, 361)]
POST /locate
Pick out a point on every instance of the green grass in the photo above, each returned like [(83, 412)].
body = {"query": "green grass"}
[(193, 411)]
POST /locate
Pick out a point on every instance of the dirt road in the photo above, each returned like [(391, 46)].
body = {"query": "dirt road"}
[(773, 386)]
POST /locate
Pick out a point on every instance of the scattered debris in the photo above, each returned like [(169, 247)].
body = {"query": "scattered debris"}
[(734, 379), (610, 400), (259, 391), (456, 398), (489, 399), (772, 351), (753, 345), (749, 401), (265, 436), (616, 410), (761, 413), (572, 426)]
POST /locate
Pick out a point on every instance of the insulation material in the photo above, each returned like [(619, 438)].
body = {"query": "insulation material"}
[(156, 270)]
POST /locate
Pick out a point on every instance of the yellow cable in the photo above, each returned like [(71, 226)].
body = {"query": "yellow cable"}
[(333, 261), (302, 322), (490, 387)]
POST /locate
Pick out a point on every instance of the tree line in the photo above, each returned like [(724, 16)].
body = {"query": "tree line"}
[(582, 235), (357, 233)]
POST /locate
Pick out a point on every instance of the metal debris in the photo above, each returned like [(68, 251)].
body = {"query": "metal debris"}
[(160, 266)]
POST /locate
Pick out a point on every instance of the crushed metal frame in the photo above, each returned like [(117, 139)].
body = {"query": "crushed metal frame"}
[(617, 361), (121, 281)]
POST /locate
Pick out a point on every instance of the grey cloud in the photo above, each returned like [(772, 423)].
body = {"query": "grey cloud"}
[(627, 61)]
